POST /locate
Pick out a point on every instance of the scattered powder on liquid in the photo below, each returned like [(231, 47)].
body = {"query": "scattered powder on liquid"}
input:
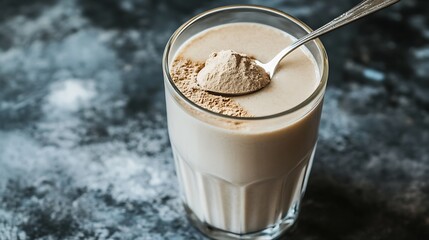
[(184, 73), (229, 72)]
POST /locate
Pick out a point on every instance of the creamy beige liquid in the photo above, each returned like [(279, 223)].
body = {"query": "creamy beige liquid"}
[(296, 78), (247, 177)]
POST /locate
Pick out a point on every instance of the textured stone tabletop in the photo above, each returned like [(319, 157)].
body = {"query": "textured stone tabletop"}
[(84, 149)]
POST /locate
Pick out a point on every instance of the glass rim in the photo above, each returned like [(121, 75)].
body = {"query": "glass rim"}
[(305, 27)]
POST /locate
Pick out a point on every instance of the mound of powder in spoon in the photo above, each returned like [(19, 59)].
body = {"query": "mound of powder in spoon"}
[(229, 72)]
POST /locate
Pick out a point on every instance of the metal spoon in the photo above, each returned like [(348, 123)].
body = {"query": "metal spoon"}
[(362, 9)]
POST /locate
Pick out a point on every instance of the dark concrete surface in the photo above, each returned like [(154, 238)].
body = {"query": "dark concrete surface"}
[(84, 150)]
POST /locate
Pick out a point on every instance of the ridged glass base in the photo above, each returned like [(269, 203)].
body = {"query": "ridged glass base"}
[(262, 209), (271, 232)]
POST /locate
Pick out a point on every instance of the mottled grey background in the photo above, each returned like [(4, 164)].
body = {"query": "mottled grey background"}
[(84, 151)]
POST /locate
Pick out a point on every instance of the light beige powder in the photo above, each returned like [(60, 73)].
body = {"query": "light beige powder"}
[(229, 72), (184, 73)]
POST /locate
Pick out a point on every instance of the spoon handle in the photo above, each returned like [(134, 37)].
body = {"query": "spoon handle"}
[(362, 9)]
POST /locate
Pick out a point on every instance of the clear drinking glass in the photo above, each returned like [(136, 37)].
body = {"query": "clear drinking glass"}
[(242, 177)]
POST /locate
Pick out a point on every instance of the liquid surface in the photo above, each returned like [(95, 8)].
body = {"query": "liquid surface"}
[(294, 81)]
